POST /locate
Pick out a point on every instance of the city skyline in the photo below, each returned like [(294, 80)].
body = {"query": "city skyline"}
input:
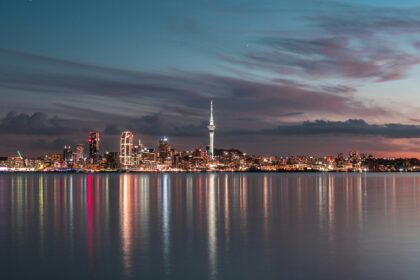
[(288, 77), (126, 148), (167, 158)]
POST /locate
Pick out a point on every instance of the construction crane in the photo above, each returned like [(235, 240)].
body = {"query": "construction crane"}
[(19, 154), (21, 158)]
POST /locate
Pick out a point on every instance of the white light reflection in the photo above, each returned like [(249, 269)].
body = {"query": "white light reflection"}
[(359, 189), (71, 215), (166, 203), (212, 227), (190, 199), (144, 212), (265, 206), (227, 213), (321, 199), (41, 214), (331, 207)]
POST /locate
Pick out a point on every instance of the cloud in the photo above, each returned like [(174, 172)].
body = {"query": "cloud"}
[(41, 74), (184, 112), (150, 125), (146, 125), (351, 127), (349, 42), (158, 124), (332, 57), (291, 114), (113, 129), (338, 89), (38, 123), (183, 94), (55, 144), (367, 20), (265, 99)]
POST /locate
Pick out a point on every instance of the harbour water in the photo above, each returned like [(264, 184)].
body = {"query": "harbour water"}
[(210, 226)]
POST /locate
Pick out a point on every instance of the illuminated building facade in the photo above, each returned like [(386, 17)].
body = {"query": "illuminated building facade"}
[(93, 141), (137, 153), (67, 154), (126, 148), (79, 154), (165, 151), (54, 158)]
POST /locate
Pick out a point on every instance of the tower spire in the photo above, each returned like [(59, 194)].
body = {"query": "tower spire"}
[(211, 113)]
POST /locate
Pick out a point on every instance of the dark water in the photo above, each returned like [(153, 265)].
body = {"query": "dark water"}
[(210, 226)]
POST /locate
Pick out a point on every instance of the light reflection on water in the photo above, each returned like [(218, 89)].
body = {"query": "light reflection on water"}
[(210, 226)]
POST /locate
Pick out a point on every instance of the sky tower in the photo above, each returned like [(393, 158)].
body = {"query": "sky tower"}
[(211, 127)]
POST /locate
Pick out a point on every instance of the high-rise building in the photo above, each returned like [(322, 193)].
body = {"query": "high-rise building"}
[(112, 160), (79, 154), (211, 128), (94, 140), (164, 149), (67, 154), (126, 149), (137, 153)]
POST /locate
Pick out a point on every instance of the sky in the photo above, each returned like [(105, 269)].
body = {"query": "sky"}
[(286, 77)]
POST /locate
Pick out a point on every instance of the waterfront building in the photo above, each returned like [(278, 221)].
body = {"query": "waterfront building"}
[(3, 163), (15, 162)]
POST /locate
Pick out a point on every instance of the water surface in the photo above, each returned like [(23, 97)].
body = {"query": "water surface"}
[(210, 226)]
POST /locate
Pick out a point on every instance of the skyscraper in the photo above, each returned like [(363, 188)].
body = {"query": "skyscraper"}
[(67, 154), (164, 149), (94, 146), (126, 148), (211, 127), (79, 155), (137, 152), (112, 160)]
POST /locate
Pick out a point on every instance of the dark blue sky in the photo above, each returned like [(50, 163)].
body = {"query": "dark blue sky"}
[(287, 77)]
